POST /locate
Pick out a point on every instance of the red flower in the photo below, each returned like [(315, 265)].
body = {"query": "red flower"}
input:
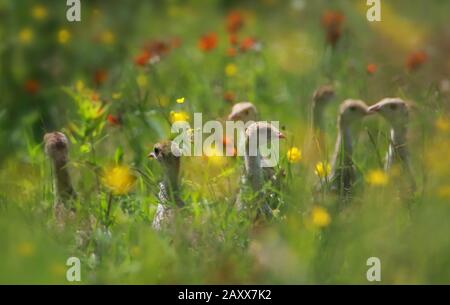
[(32, 86), (228, 96), (332, 22), (207, 42), (113, 120), (157, 48), (231, 52), (415, 60), (100, 76), (233, 39), (247, 44), (235, 21), (143, 58), (372, 68)]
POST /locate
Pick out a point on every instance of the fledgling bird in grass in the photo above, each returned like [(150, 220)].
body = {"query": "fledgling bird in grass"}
[(343, 173), (254, 174), (316, 148), (396, 112), (168, 156), (57, 149)]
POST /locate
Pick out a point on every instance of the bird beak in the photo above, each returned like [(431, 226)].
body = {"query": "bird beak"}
[(281, 136), (151, 155), (232, 116), (373, 109)]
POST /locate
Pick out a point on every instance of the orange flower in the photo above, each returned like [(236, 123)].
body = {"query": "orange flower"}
[(113, 120), (231, 52), (332, 22), (415, 60), (247, 44), (235, 21), (100, 76), (157, 48), (143, 58), (207, 42), (372, 68), (228, 96), (32, 86)]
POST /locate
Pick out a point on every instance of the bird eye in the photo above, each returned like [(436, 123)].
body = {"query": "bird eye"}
[(393, 107), (157, 150)]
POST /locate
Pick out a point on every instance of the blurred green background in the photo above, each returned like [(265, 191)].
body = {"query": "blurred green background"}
[(111, 81)]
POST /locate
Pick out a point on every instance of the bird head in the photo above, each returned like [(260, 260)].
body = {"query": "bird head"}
[(244, 111), (56, 145), (167, 154), (394, 110), (323, 95), (264, 128), (352, 111)]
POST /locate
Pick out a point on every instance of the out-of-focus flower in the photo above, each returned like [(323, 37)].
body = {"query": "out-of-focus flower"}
[(39, 12), (85, 148), (58, 269), (142, 58), (26, 36), (119, 179), (79, 86), (415, 60), (180, 100), (443, 124), (235, 21), (107, 37), (142, 80), (444, 191), (320, 217), (332, 22), (100, 76), (157, 47), (371, 69), (63, 36), (25, 249), (322, 169), (231, 70), (247, 44), (228, 96), (231, 52), (208, 42), (116, 95), (178, 116), (113, 120), (377, 177), (215, 156), (294, 155), (32, 86)]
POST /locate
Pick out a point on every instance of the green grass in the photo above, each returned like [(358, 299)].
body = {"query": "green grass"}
[(211, 242)]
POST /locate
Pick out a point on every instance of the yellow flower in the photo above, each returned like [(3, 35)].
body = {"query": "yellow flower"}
[(294, 155), (116, 95), (322, 169), (79, 85), (320, 217), (442, 124), (444, 191), (107, 37), (58, 269), (180, 100), (39, 12), (177, 116), (63, 36), (25, 249), (215, 156), (142, 80), (377, 177), (26, 35), (119, 179), (231, 70)]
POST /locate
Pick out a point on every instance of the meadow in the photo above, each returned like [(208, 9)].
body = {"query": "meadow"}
[(113, 84)]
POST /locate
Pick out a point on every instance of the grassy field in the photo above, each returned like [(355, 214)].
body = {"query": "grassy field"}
[(91, 80)]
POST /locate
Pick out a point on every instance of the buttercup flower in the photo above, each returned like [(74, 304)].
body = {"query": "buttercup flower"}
[(294, 155), (119, 179), (180, 100), (63, 36), (26, 36), (320, 217), (231, 70), (322, 169), (39, 12), (377, 177), (178, 116)]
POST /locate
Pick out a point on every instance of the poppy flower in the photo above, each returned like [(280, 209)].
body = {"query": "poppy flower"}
[(372, 69), (332, 22), (415, 60), (143, 58), (207, 42), (228, 96), (248, 44), (231, 52), (113, 120), (32, 86), (233, 39), (157, 47), (235, 21)]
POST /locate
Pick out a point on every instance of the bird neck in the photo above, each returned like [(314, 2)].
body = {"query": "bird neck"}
[(317, 117), (344, 147), (398, 150), (62, 181), (253, 168), (171, 182)]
